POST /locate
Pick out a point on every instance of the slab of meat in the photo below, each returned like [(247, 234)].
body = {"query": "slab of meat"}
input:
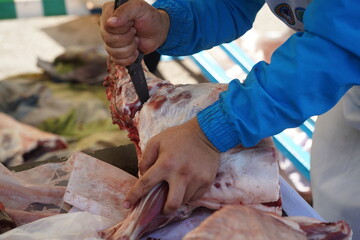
[(98, 187), (35, 193), (246, 175), (236, 222), (20, 141)]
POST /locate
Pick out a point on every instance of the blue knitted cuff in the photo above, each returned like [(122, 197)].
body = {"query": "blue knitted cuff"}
[(218, 130), (177, 22)]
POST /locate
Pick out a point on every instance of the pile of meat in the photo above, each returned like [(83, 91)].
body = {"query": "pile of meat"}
[(246, 176), (84, 183), (243, 202)]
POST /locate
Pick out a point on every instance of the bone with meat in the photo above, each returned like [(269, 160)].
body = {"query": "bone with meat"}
[(246, 175), (236, 222)]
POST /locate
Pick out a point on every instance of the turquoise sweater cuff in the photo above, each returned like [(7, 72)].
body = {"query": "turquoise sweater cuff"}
[(217, 128), (176, 29)]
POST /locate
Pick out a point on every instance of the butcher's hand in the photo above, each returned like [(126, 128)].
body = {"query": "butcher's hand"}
[(134, 26), (184, 158)]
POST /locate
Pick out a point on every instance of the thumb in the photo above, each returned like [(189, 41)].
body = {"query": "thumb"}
[(150, 155), (126, 12)]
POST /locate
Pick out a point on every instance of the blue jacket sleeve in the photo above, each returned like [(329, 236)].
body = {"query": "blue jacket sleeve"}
[(307, 76), (196, 25)]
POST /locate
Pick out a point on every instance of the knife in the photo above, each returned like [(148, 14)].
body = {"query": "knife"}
[(136, 71)]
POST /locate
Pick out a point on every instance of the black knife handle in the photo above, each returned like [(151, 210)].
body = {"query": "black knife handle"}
[(136, 71)]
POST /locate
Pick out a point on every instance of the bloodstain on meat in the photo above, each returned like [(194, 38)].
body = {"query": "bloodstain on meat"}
[(326, 230), (181, 96), (273, 204), (157, 101)]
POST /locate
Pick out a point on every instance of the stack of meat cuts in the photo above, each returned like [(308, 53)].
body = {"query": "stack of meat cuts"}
[(243, 201), (246, 176)]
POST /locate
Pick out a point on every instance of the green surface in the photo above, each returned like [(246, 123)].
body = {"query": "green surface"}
[(54, 7), (7, 9)]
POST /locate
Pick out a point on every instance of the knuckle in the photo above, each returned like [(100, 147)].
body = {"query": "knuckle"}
[(107, 40), (169, 164), (121, 62), (184, 170), (133, 47), (148, 48), (130, 60)]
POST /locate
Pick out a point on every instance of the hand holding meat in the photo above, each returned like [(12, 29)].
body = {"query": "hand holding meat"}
[(245, 176), (134, 26), (184, 158)]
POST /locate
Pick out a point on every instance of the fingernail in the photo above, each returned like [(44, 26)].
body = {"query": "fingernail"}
[(112, 20), (126, 204)]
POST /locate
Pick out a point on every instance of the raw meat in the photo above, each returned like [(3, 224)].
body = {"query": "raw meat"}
[(98, 187), (6, 223), (236, 222), (145, 216), (35, 193), (246, 175), (70, 226), (20, 141), (81, 182), (25, 217)]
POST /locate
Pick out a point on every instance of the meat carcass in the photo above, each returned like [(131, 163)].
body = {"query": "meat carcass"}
[(20, 141), (236, 222), (246, 175)]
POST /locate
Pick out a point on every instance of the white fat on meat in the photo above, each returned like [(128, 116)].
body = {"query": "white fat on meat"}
[(173, 105), (246, 175)]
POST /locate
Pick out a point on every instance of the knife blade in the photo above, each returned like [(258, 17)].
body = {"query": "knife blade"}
[(136, 71)]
